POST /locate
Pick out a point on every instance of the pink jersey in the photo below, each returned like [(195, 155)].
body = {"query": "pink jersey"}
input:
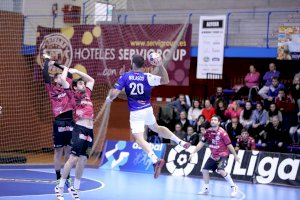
[(83, 108), (217, 141), (245, 143), (60, 101)]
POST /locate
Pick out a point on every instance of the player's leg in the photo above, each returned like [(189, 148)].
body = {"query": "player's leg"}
[(59, 189), (162, 130), (74, 190), (69, 125), (58, 153), (77, 145), (137, 125), (166, 133), (210, 164), (83, 156), (221, 170), (157, 163), (58, 141)]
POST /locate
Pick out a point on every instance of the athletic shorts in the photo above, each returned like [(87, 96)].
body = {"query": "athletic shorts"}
[(82, 140), (62, 132), (214, 165), (140, 118)]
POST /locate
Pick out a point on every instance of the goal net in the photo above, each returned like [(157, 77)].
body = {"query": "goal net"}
[(98, 44)]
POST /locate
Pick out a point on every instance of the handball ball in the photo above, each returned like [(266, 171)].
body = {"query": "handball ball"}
[(154, 59)]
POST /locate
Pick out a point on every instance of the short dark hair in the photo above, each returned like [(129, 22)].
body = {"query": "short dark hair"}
[(56, 74), (75, 81), (138, 60), (218, 117)]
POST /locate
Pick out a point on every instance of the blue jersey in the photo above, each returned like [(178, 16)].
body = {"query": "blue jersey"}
[(138, 87)]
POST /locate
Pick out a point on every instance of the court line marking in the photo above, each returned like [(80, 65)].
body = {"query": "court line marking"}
[(243, 195), (34, 170)]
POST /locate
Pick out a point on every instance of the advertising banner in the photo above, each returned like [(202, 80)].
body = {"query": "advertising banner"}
[(128, 156), (288, 43), (104, 51), (255, 166), (211, 46)]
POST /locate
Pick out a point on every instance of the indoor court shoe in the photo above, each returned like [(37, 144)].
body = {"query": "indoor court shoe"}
[(74, 193), (157, 167), (204, 191), (234, 191), (59, 192)]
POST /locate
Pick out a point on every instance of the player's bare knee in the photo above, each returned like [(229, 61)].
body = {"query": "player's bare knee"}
[(205, 171), (73, 159), (221, 172), (83, 159)]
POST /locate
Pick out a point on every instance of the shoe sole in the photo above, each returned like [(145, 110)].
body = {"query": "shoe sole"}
[(60, 197), (71, 193), (203, 193), (158, 168)]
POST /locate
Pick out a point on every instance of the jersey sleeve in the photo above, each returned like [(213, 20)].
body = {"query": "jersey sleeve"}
[(225, 138), (45, 72), (153, 80), (119, 85)]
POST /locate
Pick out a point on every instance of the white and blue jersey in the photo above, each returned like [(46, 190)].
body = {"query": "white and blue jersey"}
[(138, 87)]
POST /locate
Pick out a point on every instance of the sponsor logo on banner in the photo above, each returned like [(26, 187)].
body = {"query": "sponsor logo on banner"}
[(178, 163), (105, 52), (59, 48), (255, 166), (129, 156), (211, 43)]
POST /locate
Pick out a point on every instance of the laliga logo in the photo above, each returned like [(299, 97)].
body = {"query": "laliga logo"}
[(178, 163), (59, 47)]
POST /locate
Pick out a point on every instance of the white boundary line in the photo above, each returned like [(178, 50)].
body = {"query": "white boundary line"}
[(22, 196)]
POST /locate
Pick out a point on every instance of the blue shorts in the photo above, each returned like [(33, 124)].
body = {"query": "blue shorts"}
[(82, 140)]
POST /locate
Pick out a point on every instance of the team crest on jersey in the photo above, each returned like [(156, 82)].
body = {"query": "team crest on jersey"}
[(60, 49)]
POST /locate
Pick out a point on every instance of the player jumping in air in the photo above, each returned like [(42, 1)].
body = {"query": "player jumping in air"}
[(62, 111), (138, 86), (82, 137), (220, 145)]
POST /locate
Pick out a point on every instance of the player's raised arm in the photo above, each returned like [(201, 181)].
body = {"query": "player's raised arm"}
[(64, 74), (161, 71), (113, 93), (46, 76), (87, 78), (118, 87)]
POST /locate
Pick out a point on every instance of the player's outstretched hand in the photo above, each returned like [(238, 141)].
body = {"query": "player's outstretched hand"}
[(46, 56), (237, 159), (108, 100)]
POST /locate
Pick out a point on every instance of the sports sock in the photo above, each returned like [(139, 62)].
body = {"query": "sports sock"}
[(206, 185), (153, 157), (62, 183), (77, 184), (229, 180), (58, 175)]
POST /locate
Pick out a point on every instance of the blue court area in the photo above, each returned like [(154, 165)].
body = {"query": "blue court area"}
[(37, 183)]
